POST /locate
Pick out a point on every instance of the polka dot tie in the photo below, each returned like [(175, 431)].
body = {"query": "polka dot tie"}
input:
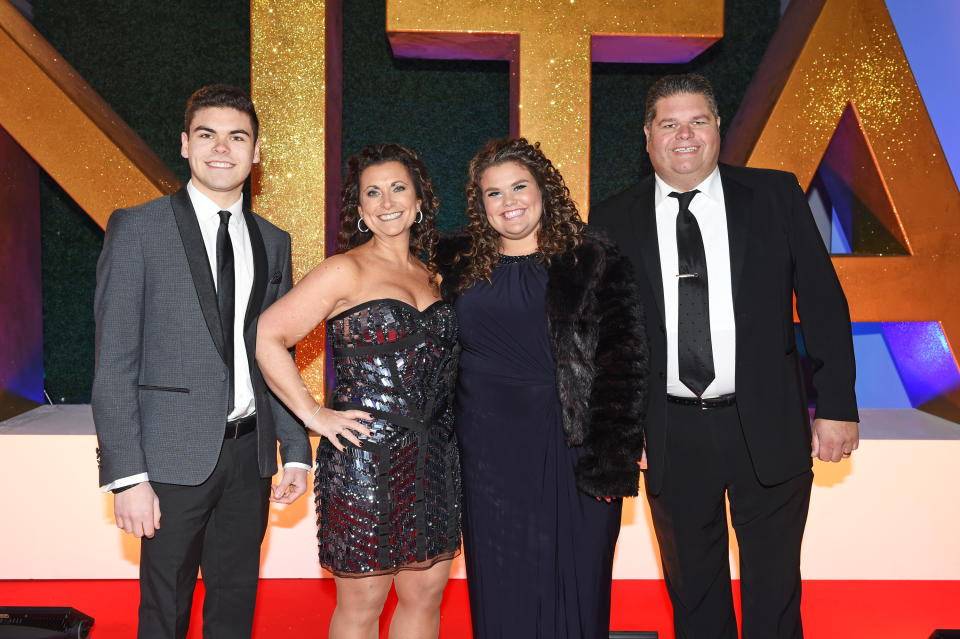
[(694, 349)]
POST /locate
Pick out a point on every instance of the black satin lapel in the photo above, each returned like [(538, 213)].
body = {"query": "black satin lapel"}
[(260, 275), (645, 220), (199, 264), (738, 200)]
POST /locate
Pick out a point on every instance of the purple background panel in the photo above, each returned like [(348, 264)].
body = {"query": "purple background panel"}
[(924, 361), (21, 310)]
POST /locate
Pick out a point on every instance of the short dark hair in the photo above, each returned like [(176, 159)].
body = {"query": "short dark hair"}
[(223, 96), (670, 85)]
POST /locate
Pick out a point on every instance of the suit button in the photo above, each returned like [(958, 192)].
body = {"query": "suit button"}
[(223, 376), (662, 329), (663, 375)]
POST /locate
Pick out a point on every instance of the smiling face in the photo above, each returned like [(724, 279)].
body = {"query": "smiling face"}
[(683, 140), (514, 204), (221, 150), (388, 199)]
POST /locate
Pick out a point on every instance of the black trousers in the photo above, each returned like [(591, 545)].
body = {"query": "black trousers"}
[(706, 459), (218, 525)]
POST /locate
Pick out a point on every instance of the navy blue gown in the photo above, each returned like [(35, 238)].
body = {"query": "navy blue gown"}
[(538, 552)]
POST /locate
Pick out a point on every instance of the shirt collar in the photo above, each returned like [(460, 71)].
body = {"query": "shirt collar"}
[(205, 208), (710, 187)]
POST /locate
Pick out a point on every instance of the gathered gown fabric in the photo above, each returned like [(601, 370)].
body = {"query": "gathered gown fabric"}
[(394, 503), (538, 552)]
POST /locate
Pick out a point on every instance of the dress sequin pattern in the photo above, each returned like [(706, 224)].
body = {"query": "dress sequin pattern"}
[(395, 502)]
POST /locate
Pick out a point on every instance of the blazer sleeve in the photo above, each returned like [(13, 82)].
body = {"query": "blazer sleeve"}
[(294, 441), (823, 312), (618, 399), (118, 311)]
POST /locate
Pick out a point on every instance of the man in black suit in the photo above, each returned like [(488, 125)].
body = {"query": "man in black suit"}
[(720, 252), (187, 429)]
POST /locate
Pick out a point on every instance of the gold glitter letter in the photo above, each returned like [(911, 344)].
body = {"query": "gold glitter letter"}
[(105, 165), (295, 79), (831, 57), (550, 44)]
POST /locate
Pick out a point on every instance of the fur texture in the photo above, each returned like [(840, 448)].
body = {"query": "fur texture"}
[(599, 343)]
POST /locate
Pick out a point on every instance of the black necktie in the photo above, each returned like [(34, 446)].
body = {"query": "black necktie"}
[(226, 293), (694, 350)]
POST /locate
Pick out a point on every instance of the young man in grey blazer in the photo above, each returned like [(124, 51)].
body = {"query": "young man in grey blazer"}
[(720, 252), (187, 429)]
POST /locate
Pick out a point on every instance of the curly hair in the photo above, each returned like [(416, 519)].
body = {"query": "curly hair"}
[(423, 236), (560, 224)]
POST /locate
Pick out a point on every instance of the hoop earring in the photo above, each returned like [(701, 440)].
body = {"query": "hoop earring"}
[(362, 230), (419, 217)]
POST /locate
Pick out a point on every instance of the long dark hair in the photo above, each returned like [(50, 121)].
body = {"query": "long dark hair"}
[(423, 236), (560, 224)]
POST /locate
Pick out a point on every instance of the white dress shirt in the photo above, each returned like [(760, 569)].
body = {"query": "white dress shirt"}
[(708, 208), (208, 216)]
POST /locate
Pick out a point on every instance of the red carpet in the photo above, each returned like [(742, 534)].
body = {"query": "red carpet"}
[(302, 607)]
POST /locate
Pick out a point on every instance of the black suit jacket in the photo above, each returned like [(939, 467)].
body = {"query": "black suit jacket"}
[(775, 253)]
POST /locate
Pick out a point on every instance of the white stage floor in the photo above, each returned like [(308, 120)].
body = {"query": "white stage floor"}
[(891, 512)]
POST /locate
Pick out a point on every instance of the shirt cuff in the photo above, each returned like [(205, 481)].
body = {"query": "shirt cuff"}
[(296, 465), (125, 481)]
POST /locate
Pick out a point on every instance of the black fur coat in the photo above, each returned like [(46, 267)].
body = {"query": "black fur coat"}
[(599, 343)]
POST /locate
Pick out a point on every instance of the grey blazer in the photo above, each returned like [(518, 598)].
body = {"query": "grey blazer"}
[(160, 392)]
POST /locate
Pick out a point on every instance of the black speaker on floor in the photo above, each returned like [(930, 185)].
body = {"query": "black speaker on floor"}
[(945, 634), (633, 634), (43, 623)]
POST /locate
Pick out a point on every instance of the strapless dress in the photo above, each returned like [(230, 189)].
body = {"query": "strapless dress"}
[(394, 503)]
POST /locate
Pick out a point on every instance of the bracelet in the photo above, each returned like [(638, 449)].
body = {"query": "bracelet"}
[(307, 423)]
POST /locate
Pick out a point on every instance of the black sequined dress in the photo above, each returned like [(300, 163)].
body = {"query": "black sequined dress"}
[(395, 502)]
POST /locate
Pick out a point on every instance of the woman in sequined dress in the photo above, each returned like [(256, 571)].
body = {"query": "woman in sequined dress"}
[(550, 399), (387, 480)]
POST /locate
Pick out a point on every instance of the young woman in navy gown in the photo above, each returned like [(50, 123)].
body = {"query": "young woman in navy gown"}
[(387, 479), (550, 399)]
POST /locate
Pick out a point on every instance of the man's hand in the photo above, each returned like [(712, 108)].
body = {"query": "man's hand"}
[(292, 485), (833, 440), (137, 510)]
